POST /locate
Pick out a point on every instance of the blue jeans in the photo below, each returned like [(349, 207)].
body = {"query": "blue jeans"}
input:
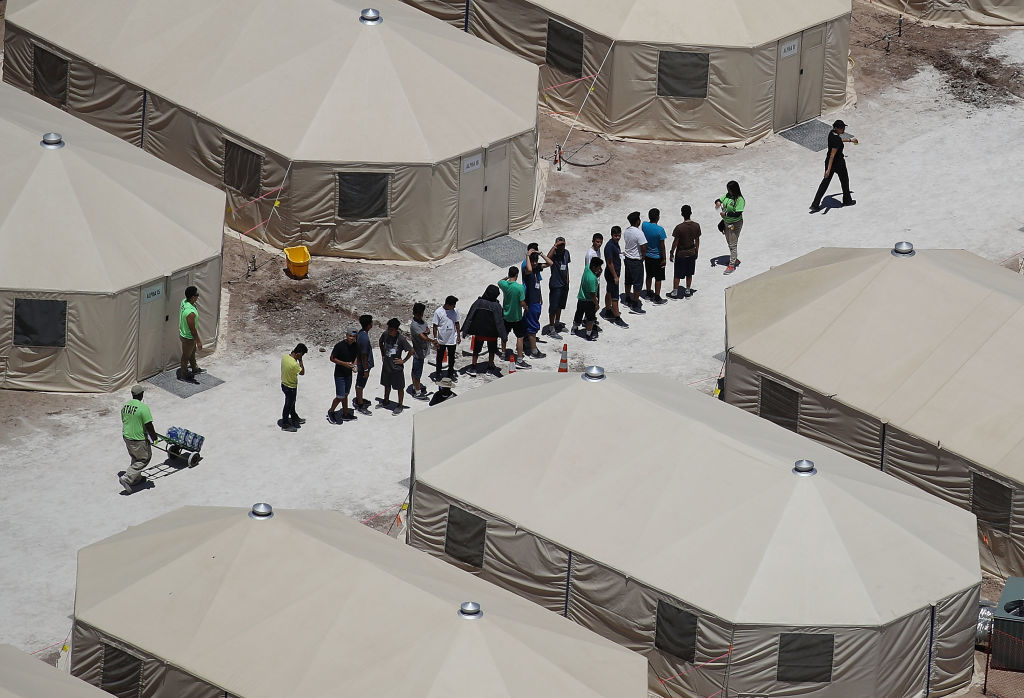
[(288, 413), (417, 367)]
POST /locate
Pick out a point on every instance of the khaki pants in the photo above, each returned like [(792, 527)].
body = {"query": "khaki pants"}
[(732, 239), (141, 454), (188, 356)]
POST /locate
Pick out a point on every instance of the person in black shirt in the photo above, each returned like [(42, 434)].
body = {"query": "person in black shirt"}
[(835, 163), (344, 358)]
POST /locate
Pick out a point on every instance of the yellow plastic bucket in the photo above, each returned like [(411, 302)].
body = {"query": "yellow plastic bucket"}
[(298, 261)]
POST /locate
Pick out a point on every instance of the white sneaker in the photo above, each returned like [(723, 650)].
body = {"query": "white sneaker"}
[(123, 479)]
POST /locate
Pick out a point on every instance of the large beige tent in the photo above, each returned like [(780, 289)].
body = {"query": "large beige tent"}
[(980, 12), (910, 364), (99, 242), (687, 536), (24, 676), (715, 71), (403, 139), (209, 601)]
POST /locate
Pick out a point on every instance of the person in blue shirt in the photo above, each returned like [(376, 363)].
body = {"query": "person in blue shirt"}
[(535, 262), (364, 362), (655, 260)]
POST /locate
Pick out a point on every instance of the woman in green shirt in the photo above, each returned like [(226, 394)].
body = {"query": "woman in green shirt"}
[(730, 207)]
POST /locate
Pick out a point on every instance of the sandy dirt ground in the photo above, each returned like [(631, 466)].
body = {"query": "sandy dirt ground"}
[(938, 119)]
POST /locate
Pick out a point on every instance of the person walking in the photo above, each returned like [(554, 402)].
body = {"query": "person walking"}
[(685, 245), (655, 257), (485, 321), (587, 300), (421, 342), (513, 297), (835, 164), (612, 274), (448, 334), (532, 268), (138, 431), (189, 334), (364, 362), (635, 249), (558, 288), (344, 357), (291, 368), (730, 208), (392, 364)]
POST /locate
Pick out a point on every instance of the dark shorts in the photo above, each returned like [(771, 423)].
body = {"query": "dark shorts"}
[(611, 286), (518, 328), (634, 273), (417, 366), (685, 266), (557, 298), (361, 379), (392, 379), (491, 342), (531, 319), (585, 312), (342, 384), (654, 269)]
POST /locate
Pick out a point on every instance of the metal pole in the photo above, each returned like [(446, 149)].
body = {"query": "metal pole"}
[(899, 27)]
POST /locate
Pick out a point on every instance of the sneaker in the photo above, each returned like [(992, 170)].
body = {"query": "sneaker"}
[(300, 420), (423, 393), (592, 337), (690, 291), (675, 295), (363, 409), (123, 479), (560, 327), (522, 363), (620, 322), (187, 379), (814, 209), (658, 300), (547, 329), (555, 336), (331, 419), (537, 355), (349, 416), (637, 310), (575, 329), (285, 426), (397, 411), (198, 370), (607, 314), (471, 371), (297, 424), (729, 269), (851, 202)]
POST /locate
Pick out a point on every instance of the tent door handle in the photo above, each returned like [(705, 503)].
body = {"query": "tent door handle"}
[(801, 71), (485, 187)]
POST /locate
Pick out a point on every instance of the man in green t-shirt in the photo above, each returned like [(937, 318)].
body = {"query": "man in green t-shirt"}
[(586, 301), (136, 425), (513, 304), (190, 342)]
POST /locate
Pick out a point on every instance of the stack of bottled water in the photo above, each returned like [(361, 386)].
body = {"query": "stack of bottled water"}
[(188, 439)]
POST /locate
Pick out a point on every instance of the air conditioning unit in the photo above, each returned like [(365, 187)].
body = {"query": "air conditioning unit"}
[(1008, 627)]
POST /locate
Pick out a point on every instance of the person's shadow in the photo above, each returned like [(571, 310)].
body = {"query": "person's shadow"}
[(828, 203)]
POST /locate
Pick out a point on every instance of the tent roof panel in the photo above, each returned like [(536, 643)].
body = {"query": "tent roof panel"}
[(912, 341), (312, 83), (702, 502), (98, 215), (24, 676), (231, 600)]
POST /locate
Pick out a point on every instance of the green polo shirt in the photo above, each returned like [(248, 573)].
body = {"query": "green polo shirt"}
[(135, 415), (290, 371), (588, 285), (186, 310), (513, 294), (733, 209)]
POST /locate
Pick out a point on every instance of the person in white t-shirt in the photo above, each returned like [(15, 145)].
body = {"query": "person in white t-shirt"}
[(634, 244), (448, 333)]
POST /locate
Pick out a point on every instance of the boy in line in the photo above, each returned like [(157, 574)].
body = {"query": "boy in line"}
[(513, 306), (364, 362), (447, 333), (343, 356), (558, 287), (532, 268), (485, 321), (612, 276), (685, 245), (392, 365), (587, 300), (421, 341), (655, 259), (634, 248)]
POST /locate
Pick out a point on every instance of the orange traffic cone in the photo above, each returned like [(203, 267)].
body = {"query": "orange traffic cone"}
[(563, 365), (512, 363)]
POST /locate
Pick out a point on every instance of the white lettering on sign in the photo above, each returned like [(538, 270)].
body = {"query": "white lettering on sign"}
[(473, 163), (790, 48), (154, 292)]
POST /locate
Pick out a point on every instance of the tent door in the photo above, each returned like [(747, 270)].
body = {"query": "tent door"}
[(496, 189), (153, 305), (176, 286), (787, 82), (471, 199), (812, 73)]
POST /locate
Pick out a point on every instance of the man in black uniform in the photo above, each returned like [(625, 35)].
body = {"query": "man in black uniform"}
[(835, 163)]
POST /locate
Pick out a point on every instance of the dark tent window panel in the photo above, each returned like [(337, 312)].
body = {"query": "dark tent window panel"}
[(675, 632), (363, 195), (49, 76), (464, 536), (805, 658), (683, 74), (40, 323), (991, 502), (779, 404), (122, 673), (565, 49), (243, 169)]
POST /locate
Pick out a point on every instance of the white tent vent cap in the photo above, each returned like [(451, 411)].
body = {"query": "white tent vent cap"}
[(471, 610), (593, 373), (52, 141), (903, 249), (370, 16), (261, 510), (804, 467)]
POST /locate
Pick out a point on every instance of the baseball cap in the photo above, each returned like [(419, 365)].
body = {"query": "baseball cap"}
[(445, 382), (138, 389), (838, 123)]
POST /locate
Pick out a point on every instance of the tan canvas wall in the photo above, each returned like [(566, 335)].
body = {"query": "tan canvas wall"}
[(158, 680), (837, 63), (956, 620), (451, 11), (982, 12), (524, 183)]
